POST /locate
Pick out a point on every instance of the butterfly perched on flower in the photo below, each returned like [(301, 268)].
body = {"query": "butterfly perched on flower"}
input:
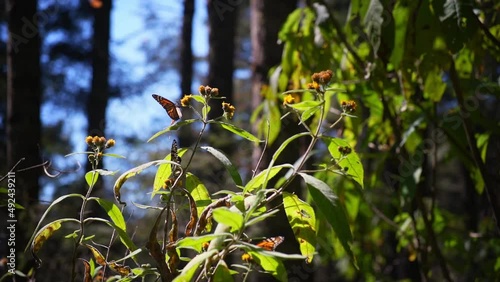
[(173, 111), (270, 244)]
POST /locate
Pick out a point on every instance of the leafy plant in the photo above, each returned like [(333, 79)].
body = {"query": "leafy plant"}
[(233, 212)]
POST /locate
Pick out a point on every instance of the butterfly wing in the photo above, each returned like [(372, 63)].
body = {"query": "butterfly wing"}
[(174, 157), (172, 110), (270, 244)]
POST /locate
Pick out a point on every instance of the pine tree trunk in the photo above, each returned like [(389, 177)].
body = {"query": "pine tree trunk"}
[(222, 21), (23, 114), (185, 133)]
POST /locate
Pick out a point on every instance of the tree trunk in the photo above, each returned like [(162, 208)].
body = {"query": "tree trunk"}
[(267, 17), (99, 94), (185, 133), (222, 21), (23, 112)]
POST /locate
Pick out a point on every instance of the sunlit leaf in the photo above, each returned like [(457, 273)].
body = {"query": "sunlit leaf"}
[(222, 272), (238, 131), (270, 264), (196, 243), (113, 212), (230, 218), (191, 268), (327, 203), (123, 270), (131, 173), (91, 177), (263, 177), (44, 234), (98, 257), (55, 202), (305, 105), (351, 161), (164, 172), (302, 220), (172, 128), (199, 192)]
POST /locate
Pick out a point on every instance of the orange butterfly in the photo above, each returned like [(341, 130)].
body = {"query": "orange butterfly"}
[(270, 244), (173, 111)]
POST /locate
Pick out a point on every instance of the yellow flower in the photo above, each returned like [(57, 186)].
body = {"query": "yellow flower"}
[(186, 100), (289, 99), (89, 140), (246, 257), (110, 143)]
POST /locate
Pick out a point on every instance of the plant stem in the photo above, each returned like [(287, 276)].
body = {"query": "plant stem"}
[(82, 225)]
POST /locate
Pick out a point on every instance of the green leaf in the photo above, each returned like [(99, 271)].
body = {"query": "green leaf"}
[(191, 268), (258, 181), (286, 142), (91, 178), (173, 127), (55, 202), (196, 243), (233, 171), (113, 212), (222, 272), (164, 172), (232, 219), (44, 234), (434, 86), (302, 220), (200, 194), (274, 128), (131, 173), (351, 161), (401, 14), (305, 105), (200, 99), (114, 155), (261, 217), (236, 130), (373, 22), (270, 264), (327, 204)]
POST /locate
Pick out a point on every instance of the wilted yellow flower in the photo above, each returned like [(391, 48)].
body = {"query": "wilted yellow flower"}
[(348, 106), (228, 110)]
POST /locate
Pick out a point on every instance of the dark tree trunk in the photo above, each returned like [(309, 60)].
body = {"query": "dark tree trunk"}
[(186, 67), (267, 17), (23, 111), (99, 93), (222, 17)]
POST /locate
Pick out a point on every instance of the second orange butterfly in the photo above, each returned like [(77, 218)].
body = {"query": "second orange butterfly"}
[(173, 111), (270, 244)]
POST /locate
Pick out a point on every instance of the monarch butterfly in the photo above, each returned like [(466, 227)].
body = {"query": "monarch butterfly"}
[(270, 244), (175, 158), (173, 111)]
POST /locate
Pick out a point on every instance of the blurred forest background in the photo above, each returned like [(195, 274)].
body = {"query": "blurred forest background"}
[(425, 75)]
